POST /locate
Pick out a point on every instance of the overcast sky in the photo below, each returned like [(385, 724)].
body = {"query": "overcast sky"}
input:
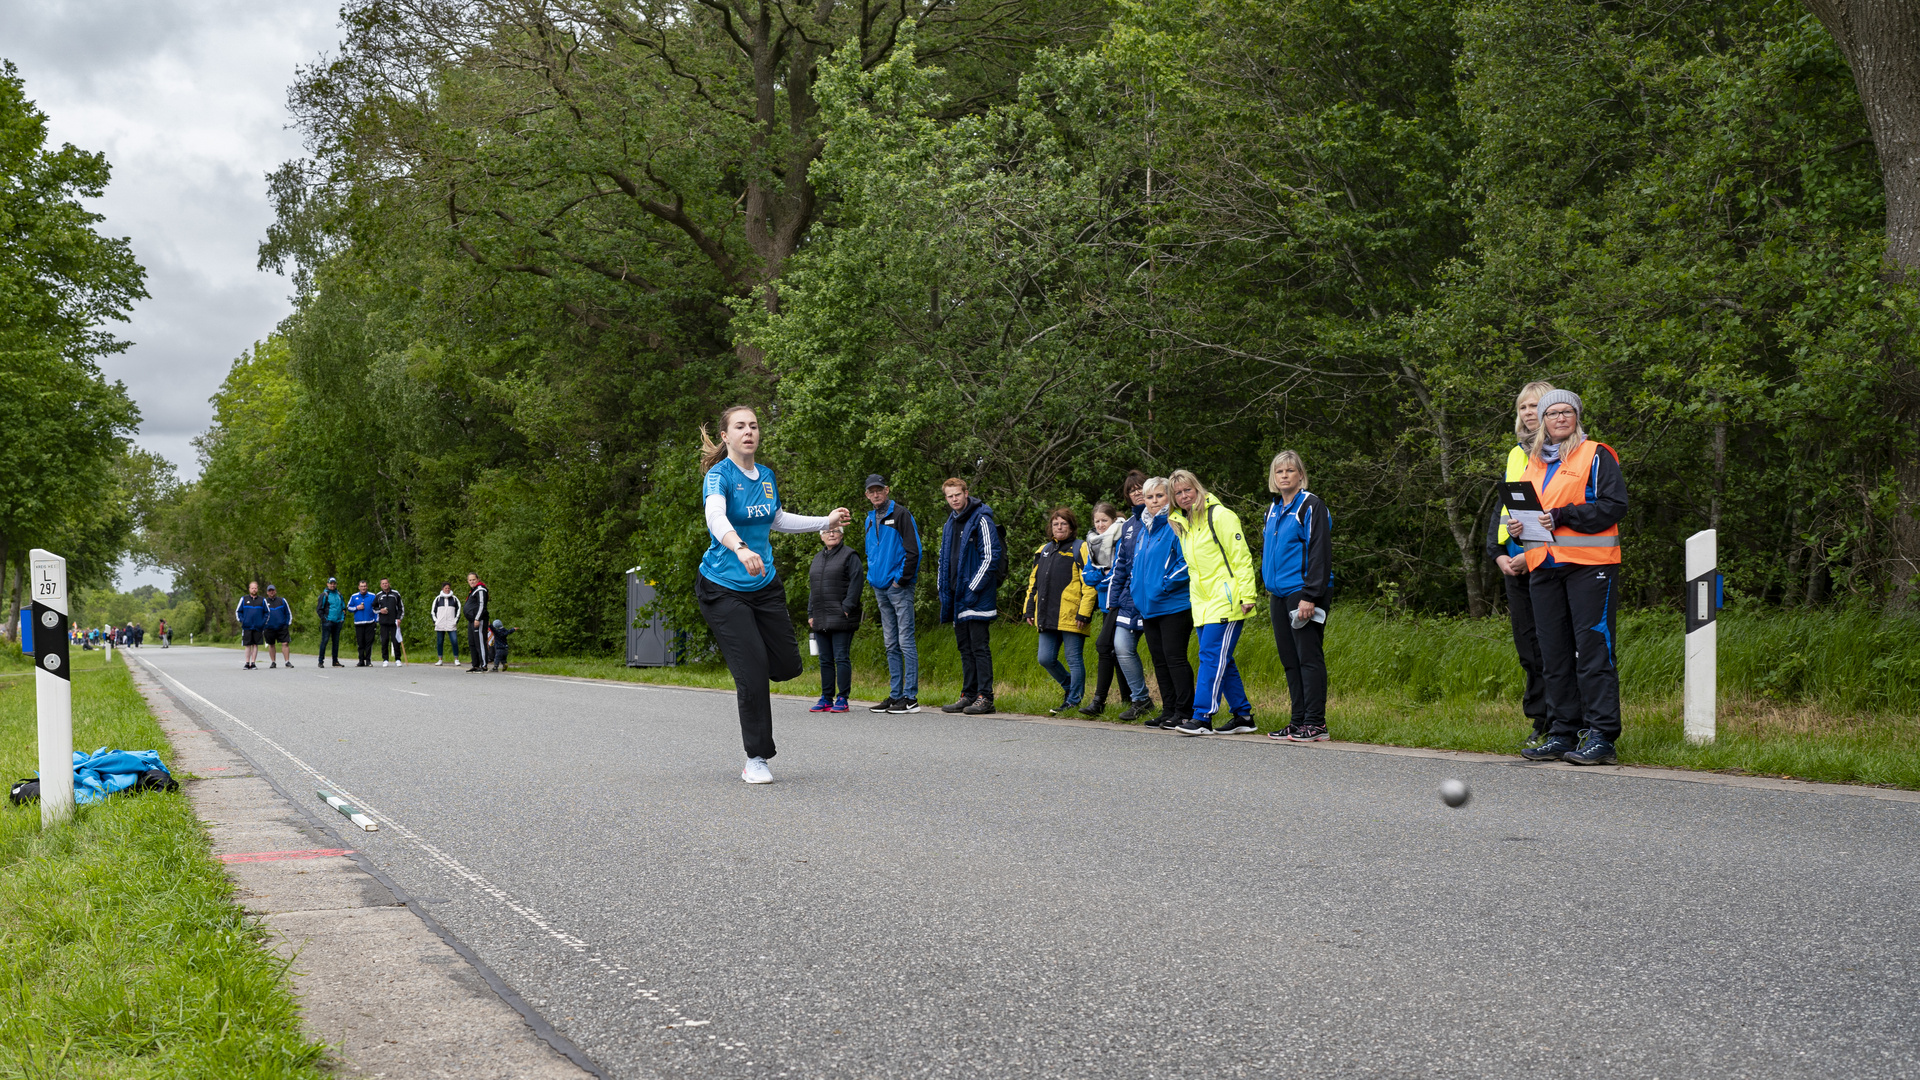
[(188, 100)]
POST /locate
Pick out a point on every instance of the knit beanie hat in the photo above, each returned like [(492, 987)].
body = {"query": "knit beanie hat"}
[(1560, 397)]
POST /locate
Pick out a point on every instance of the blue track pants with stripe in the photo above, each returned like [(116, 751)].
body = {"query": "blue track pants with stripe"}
[(1218, 676)]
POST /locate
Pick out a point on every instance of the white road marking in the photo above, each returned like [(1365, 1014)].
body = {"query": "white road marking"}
[(415, 693)]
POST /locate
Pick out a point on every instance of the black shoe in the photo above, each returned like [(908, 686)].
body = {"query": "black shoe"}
[(958, 706), (885, 705), (1135, 711), (1163, 719), (904, 705), (1239, 725), (271, 665), (1193, 728), (1064, 706), (981, 706), (1308, 733), (1556, 747), (1094, 708), (1534, 740), (1285, 734), (1593, 750), (337, 663)]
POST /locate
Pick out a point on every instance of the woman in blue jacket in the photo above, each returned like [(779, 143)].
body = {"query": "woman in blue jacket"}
[(1158, 578), (1128, 626), (1296, 566)]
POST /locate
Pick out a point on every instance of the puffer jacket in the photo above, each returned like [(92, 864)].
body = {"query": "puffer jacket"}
[(834, 582), (1057, 597), (1220, 576), (446, 612), (1158, 570)]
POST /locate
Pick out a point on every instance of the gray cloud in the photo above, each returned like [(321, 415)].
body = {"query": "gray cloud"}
[(187, 99)]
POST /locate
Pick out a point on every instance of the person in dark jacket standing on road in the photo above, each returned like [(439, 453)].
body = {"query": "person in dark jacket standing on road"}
[(893, 566), (1128, 625), (1296, 567), (279, 628), (331, 610), (251, 614), (476, 612), (392, 609), (834, 584), (366, 623), (973, 559)]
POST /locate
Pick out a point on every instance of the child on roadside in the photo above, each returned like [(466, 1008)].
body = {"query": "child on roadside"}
[(497, 642)]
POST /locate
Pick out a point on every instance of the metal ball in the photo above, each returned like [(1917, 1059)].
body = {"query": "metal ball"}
[(1454, 793)]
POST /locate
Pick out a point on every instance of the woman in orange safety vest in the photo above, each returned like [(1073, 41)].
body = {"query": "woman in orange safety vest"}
[(1573, 581)]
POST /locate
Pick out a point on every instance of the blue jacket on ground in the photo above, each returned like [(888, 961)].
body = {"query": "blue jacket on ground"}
[(969, 588), (103, 772), (1158, 571), (1297, 551), (361, 604), (1118, 602), (279, 612), (251, 612), (893, 547)]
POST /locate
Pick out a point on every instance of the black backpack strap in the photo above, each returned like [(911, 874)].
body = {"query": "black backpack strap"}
[(1224, 561)]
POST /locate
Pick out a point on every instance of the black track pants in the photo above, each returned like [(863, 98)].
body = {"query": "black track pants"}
[(389, 639), (1103, 647), (364, 634), (477, 647), (1167, 637), (976, 657), (1573, 619), (1303, 654), (755, 635), (1527, 646)]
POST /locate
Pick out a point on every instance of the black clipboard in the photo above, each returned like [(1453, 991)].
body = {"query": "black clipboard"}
[(1520, 495)]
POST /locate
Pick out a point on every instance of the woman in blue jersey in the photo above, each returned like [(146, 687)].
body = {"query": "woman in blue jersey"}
[(747, 615)]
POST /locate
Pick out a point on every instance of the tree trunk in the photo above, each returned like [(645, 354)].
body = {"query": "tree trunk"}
[(1881, 41), (1458, 524)]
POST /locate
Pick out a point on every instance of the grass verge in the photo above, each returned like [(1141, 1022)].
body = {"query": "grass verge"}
[(121, 951), (1842, 716)]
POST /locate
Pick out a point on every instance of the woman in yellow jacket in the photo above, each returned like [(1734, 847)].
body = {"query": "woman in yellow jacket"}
[(1505, 551), (1060, 605), (1221, 581)]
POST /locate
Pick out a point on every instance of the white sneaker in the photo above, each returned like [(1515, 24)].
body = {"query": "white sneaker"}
[(756, 771), (399, 663), (437, 663), (383, 663)]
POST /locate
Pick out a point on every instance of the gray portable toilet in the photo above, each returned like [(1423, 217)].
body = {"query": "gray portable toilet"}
[(649, 644)]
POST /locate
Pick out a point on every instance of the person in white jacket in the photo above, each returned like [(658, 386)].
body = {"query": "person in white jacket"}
[(446, 624)]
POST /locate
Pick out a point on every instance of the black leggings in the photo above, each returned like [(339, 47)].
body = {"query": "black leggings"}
[(1573, 618), (1527, 645), (755, 636), (1304, 657), (1167, 637), (974, 638), (1103, 646)]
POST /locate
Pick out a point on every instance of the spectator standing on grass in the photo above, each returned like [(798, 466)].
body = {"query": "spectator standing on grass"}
[(893, 566), (1503, 547), (1127, 623), (1158, 576), (446, 624), (366, 623), (279, 628), (834, 584), (391, 610), (1222, 586), (1574, 582), (477, 611), (1060, 605), (973, 559), (251, 614), (331, 610), (1101, 541), (1296, 568)]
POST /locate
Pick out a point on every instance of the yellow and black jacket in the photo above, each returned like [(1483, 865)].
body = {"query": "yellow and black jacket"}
[(1055, 592)]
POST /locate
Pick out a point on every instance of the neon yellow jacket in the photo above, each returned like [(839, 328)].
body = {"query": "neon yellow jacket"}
[(1220, 574), (1516, 468)]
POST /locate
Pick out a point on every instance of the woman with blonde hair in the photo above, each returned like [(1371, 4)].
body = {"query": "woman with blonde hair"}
[(1504, 549), (1296, 566), (735, 585), (1221, 586), (1157, 579)]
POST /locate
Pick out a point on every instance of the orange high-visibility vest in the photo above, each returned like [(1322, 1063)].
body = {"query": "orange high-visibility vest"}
[(1569, 488)]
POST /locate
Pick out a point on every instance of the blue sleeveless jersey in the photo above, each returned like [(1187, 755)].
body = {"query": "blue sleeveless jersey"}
[(751, 504)]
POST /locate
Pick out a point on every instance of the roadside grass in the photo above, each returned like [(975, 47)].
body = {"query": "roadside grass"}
[(1830, 696), (121, 952)]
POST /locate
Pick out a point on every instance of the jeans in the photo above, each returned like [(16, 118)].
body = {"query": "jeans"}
[(1126, 653), (329, 631), (1219, 676), (755, 636), (1527, 645), (836, 659), (1303, 656), (443, 638), (1573, 618), (1073, 677), (975, 641), (896, 632), (1103, 648)]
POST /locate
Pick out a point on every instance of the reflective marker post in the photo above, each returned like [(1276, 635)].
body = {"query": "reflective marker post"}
[(1703, 602), (53, 683)]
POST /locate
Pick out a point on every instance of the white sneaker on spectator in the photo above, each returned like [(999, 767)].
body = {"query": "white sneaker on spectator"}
[(383, 663), (757, 772)]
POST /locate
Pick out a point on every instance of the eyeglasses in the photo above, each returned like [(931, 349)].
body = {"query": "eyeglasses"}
[(1561, 412)]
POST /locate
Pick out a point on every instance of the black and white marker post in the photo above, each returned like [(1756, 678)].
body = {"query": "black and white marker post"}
[(53, 683), (1703, 602)]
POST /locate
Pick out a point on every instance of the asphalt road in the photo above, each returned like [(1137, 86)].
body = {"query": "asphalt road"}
[(972, 897)]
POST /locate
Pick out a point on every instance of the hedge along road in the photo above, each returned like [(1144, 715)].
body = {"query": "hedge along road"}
[(958, 896)]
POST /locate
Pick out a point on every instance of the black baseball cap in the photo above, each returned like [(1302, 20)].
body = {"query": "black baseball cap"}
[(876, 480)]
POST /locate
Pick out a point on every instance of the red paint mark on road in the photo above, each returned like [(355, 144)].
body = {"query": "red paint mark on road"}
[(275, 856)]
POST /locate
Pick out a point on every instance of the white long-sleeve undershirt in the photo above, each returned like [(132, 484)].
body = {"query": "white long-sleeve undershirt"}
[(719, 526)]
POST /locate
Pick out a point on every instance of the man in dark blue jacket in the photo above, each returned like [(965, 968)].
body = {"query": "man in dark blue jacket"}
[(279, 628), (251, 614), (972, 562), (893, 565)]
